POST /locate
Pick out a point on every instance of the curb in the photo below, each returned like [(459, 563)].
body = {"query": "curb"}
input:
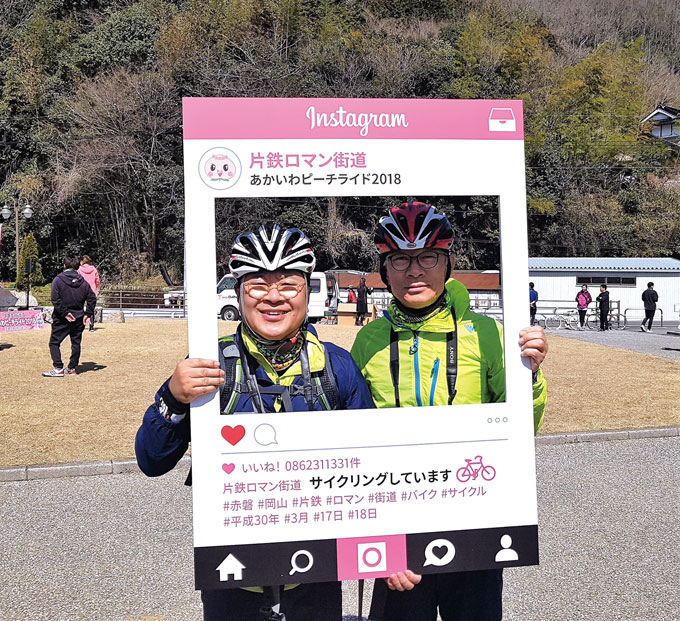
[(76, 469), (603, 436), (122, 466)]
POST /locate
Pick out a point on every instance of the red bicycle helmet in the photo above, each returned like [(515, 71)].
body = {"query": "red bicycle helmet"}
[(411, 226)]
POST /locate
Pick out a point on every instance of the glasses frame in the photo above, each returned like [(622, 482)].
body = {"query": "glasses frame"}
[(248, 286), (390, 258)]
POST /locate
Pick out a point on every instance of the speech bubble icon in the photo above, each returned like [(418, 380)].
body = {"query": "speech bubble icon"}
[(439, 552), (265, 434), (295, 566)]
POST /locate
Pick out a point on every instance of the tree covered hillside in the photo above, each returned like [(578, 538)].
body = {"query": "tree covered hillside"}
[(90, 112)]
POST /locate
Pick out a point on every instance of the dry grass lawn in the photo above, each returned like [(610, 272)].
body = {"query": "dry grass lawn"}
[(95, 414)]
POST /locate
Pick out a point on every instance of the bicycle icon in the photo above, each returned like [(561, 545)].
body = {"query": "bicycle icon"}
[(473, 469)]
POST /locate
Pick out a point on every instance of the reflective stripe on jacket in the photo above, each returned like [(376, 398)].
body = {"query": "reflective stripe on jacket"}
[(422, 358)]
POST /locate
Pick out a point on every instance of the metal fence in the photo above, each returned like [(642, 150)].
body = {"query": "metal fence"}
[(122, 299)]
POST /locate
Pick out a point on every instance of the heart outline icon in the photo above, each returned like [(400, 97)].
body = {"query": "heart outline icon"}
[(233, 435), (228, 468)]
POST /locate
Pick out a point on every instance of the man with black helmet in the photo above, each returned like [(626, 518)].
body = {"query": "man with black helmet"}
[(273, 363)]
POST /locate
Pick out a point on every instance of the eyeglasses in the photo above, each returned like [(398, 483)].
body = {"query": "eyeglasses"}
[(260, 290), (426, 260)]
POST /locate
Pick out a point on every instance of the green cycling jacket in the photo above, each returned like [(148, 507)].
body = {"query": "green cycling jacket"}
[(422, 358)]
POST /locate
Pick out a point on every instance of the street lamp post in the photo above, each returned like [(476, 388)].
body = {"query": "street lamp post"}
[(27, 213)]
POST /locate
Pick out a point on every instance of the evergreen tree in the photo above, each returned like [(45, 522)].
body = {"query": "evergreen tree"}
[(29, 250)]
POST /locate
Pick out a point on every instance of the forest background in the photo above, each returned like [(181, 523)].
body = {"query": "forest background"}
[(91, 137)]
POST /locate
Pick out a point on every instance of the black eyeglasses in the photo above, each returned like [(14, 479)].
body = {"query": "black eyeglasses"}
[(426, 260)]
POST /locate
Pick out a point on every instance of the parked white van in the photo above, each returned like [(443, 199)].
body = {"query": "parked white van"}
[(227, 306)]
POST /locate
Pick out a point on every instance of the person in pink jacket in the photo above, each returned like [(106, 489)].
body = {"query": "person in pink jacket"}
[(91, 275)]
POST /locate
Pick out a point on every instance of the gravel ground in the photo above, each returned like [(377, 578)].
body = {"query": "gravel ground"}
[(118, 548), (656, 343)]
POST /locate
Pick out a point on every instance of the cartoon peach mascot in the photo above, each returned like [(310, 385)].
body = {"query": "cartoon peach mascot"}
[(220, 168)]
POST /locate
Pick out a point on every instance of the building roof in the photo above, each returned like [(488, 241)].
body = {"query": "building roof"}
[(663, 113), (477, 280), (373, 280), (471, 280), (604, 264)]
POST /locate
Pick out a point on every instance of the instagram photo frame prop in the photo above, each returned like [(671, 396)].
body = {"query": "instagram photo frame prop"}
[(320, 496)]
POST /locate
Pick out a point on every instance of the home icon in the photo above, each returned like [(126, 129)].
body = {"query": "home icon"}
[(502, 120)]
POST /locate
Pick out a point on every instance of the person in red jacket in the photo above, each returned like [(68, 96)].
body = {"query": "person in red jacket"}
[(583, 298), (91, 275)]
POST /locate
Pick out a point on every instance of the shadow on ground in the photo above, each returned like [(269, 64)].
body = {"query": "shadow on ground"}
[(84, 367)]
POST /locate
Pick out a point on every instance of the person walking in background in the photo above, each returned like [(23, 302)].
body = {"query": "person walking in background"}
[(362, 301), (533, 302), (650, 298), (583, 298), (91, 275), (70, 292), (603, 299)]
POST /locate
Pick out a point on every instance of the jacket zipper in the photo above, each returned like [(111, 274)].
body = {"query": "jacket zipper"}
[(434, 374), (413, 350)]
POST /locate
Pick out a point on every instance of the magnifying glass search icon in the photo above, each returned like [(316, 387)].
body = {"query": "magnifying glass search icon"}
[(295, 568)]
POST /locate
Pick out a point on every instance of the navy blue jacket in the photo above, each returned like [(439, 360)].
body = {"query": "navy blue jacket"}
[(70, 291), (650, 298), (160, 443)]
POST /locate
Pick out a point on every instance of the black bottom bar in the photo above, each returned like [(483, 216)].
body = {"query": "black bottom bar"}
[(228, 567)]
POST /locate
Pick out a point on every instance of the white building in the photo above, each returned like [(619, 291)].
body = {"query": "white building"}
[(665, 122), (557, 280)]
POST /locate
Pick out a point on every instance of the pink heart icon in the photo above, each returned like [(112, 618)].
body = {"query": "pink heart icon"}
[(228, 468)]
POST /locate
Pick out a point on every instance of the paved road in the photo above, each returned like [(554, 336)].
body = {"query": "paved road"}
[(118, 547), (658, 343)]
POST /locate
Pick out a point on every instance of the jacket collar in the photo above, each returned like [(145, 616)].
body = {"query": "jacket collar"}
[(457, 296), (315, 351)]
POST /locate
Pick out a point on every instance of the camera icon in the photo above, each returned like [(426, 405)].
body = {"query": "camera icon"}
[(371, 557)]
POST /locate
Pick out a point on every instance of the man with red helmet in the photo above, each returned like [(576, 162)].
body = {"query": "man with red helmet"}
[(429, 321)]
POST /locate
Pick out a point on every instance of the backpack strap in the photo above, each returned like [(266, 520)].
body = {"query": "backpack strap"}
[(451, 364), (328, 384), (452, 357), (307, 387), (229, 358), (394, 363)]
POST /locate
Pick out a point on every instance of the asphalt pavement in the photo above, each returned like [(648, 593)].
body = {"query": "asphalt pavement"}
[(656, 343), (118, 547)]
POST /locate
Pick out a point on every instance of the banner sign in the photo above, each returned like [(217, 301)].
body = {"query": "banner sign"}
[(16, 321), (320, 496)]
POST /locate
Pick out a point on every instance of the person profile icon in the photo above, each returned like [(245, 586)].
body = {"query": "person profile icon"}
[(507, 553)]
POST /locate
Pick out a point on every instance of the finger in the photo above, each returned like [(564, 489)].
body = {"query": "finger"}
[(402, 582), (393, 583), (408, 579), (200, 362), (528, 335), (535, 357), (413, 577), (531, 352), (202, 372), (197, 391), (207, 381), (538, 344)]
